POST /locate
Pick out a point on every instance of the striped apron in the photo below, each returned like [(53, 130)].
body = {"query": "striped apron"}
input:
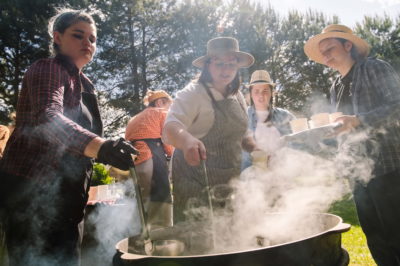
[(223, 146)]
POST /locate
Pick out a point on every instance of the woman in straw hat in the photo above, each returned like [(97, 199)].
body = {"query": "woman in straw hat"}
[(208, 121), (266, 122), (144, 131), (367, 91), (47, 164)]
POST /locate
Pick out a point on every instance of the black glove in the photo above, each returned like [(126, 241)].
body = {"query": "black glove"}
[(117, 153)]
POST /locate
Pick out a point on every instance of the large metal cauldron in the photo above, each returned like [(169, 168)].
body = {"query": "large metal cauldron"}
[(322, 248)]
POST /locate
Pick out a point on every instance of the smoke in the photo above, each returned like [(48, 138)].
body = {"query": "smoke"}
[(43, 203), (318, 103), (295, 185), (276, 205), (106, 225)]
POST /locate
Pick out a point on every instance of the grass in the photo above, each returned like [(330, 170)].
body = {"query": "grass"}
[(354, 240)]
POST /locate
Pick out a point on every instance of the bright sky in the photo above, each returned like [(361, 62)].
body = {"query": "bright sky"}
[(348, 11)]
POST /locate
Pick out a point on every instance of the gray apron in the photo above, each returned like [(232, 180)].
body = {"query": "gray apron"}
[(223, 145)]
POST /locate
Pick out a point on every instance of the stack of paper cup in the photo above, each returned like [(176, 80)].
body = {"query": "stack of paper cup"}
[(319, 120), (333, 116), (298, 125), (102, 192)]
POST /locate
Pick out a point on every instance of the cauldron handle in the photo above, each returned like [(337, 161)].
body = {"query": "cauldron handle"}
[(131, 256), (340, 228)]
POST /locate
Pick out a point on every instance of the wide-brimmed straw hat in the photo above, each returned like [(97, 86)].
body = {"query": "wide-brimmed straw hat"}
[(311, 48), (222, 46), (261, 77), (151, 96)]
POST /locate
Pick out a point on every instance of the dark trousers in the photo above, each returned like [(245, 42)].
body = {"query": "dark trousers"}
[(43, 223), (378, 208)]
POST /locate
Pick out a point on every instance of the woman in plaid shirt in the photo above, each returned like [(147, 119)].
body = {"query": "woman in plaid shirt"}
[(46, 168)]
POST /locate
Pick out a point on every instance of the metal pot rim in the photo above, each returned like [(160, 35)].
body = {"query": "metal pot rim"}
[(339, 227)]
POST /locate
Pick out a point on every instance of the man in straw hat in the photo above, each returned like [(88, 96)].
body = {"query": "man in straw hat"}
[(367, 91), (144, 131), (266, 122), (208, 123)]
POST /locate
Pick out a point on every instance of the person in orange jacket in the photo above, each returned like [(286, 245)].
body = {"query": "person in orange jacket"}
[(144, 131)]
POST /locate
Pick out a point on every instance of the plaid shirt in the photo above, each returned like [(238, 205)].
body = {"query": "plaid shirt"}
[(48, 113), (375, 97)]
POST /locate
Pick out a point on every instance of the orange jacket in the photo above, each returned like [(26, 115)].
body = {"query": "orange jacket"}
[(147, 124)]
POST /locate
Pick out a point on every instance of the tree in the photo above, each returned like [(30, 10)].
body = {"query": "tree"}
[(256, 29), (277, 45), (302, 82), (146, 45), (23, 40), (383, 35)]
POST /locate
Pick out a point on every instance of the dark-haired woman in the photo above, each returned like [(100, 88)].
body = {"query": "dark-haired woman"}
[(208, 121), (46, 168)]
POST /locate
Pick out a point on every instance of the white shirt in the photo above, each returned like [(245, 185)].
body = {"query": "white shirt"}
[(192, 108), (267, 137), (262, 115)]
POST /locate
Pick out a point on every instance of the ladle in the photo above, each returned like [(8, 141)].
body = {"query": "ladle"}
[(148, 245), (171, 247), (203, 163)]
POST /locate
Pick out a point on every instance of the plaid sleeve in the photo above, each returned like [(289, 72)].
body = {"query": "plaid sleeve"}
[(46, 83), (384, 94)]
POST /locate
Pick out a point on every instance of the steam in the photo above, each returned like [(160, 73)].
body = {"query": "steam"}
[(110, 224), (40, 201), (295, 185)]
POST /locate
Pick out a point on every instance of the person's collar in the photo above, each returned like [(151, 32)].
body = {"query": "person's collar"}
[(218, 96), (348, 75), (67, 62)]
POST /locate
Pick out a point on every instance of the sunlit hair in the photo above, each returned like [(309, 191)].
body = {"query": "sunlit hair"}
[(353, 52), (205, 78), (65, 18)]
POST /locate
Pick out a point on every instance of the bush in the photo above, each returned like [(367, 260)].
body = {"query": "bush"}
[(100, 175)]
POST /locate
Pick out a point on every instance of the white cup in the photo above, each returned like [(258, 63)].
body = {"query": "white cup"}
[(102, 192), (299, 124), (319, 120), (333, 116)]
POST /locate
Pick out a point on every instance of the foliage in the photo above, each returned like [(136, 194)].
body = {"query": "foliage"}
[(346, 209), (150, 44), (383, 35), (277, 45), (147, 45), (23, 40), (100, 175)]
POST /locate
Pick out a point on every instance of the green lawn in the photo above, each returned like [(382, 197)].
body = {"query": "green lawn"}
[(354, 240)]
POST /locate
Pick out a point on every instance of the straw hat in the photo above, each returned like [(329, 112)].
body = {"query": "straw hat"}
[(311, 48), (221, 46), (261, 77), (151, 96)]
